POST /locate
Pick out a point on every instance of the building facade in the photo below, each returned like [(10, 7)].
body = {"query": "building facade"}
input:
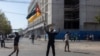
[(89, 9), (65, 14)]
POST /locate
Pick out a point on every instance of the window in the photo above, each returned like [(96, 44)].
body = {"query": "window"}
[(71, 14), (46, 1), (46, 17), (71, 24), (71, 2), (46, 8)]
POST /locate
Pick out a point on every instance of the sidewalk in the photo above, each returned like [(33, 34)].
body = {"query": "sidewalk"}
[(39, 48)]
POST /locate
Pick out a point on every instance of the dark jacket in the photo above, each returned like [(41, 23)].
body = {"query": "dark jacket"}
[(16, 40), (51, 36)]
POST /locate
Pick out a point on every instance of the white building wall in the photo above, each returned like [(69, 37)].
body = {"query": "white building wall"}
[(93, 9), (58, 13), (82, 13), (49, 20), (88, 10)]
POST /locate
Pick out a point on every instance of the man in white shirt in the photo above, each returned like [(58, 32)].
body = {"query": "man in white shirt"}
[(67, 41), (2, 38)]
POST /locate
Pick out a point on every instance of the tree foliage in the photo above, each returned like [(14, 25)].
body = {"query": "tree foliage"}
[(98, 19), (5, 27)]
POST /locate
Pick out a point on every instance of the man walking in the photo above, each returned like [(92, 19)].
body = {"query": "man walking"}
[(51, 35), (16, 44), (67, 41)]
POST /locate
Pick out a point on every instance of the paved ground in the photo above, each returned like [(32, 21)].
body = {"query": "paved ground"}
[(82, 48)]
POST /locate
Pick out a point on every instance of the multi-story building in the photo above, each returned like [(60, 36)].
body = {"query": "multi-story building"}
[(65, 14)]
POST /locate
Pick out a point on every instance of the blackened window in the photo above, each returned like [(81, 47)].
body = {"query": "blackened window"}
[(71, 24)]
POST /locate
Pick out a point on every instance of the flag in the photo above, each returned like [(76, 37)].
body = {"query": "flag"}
[(35, 14), (38, 12)]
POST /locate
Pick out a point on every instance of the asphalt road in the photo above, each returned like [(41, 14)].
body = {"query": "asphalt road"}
[(82, 48)]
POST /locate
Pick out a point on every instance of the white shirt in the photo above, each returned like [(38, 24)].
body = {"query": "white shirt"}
[(1, 37), (53, 30), (66, 37)]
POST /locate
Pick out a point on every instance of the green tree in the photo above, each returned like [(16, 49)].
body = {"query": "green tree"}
[(98, 19), (5, 27)]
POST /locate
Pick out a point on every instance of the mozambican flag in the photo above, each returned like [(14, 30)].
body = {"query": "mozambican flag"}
[(36, 13)]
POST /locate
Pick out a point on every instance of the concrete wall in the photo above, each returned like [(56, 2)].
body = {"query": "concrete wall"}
[(58, 13), (82, 12), (88, 10), (49, 20)]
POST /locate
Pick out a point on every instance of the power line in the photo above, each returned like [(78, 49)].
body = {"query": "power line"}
[(24, 2), (14, 13)]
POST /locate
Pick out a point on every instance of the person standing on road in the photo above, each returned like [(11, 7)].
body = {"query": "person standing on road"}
[(51, 35), (67, 41), (2, 38), (16, 42), (32, 37)]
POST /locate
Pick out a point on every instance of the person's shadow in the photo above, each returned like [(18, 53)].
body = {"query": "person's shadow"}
[(82, 52), (8, 47)]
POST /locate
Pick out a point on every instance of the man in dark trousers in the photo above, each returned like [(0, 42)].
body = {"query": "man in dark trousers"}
[(51, 35), (16, 44), (32, 37)]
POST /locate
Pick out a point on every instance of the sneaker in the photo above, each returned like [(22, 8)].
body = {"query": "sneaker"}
[(9, 55), (65, 51), (69, 51)]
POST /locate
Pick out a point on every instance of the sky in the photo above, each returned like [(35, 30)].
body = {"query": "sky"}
[(16, 13)]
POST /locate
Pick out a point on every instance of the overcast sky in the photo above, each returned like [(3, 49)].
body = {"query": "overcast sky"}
[(16, 12)]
